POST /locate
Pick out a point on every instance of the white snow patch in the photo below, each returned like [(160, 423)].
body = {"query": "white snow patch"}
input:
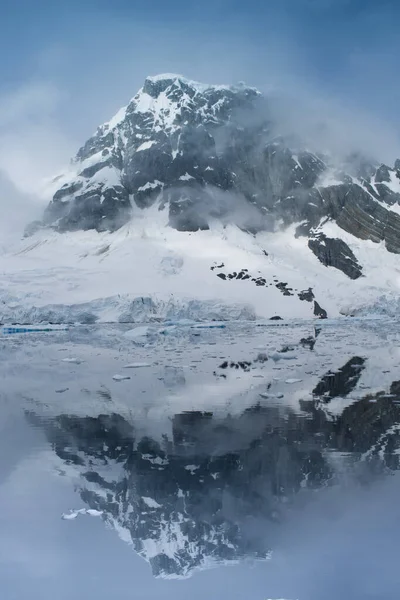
[(155, 461), (92, 512), (393, 208), (110, 176), (117, 118), (94, 159), (165, 76), (151, 185), (192, 468), (73, 514), (150, 502), (394, 183), (296, 160), (146, 145)]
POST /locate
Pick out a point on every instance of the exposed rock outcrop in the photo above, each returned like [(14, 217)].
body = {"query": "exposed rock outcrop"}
[(335, 253)]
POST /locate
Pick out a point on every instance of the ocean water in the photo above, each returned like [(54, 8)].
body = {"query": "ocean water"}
[(173, 461)]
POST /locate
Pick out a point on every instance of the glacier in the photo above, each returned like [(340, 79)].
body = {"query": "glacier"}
[(149, 272)]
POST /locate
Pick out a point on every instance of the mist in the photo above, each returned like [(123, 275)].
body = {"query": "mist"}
[(17, 210), (209, 204), (343, 545)]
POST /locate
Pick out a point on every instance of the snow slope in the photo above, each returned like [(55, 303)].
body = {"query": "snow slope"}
[(148, 271)]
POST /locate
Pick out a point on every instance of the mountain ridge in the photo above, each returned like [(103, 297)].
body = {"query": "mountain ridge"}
[(189, 203), (210, 152)]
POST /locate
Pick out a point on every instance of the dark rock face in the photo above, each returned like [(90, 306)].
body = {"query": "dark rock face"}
[(319, 311), (171, 145), (211, 152), (335, 253), (358, 212), (306, 295), (101, 208)]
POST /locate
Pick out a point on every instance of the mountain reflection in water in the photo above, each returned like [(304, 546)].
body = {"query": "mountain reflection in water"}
[(213, 490), (267, 448)]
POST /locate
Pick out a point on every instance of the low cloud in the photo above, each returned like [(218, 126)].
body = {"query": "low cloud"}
[(329, 126), (75, 86), (34, 144)]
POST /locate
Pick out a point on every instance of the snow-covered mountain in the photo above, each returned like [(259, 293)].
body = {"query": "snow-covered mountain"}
[(189, 192), (212, 152)]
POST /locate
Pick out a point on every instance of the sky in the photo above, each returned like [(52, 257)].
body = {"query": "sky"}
[(69, 65)]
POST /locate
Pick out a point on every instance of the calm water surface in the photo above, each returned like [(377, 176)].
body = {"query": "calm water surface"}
[(175, 462)]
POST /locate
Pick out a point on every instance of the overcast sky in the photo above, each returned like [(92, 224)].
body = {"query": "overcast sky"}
[(69, 65)]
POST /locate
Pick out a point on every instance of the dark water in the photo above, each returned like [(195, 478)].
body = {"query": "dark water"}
[(244, 462)]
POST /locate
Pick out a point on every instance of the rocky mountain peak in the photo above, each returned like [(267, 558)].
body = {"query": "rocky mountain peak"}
[(206, 153)]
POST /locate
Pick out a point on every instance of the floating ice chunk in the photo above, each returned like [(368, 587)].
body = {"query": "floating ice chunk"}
[(120, 377), (293, 380), (275, 356), (271, 396), (72, 360), (137, 365)]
